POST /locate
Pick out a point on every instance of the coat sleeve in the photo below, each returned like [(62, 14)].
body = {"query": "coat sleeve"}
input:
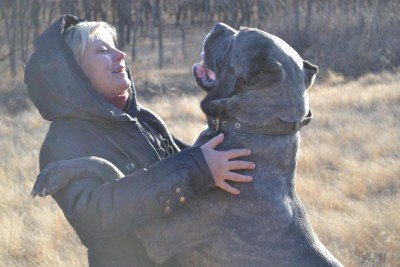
[(102, 210), (181, 144)]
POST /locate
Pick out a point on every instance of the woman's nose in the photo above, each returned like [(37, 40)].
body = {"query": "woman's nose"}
[(119, 55)]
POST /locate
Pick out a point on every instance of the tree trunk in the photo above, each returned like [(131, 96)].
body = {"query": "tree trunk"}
[(183, 43), (68, 6), (160, 44), (35, 11), (297, 10), (207, 15), (9, 13), (307, 26), (124, 8), (157, 24)]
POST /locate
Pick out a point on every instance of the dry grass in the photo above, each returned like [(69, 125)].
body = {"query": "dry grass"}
[(347, 172), (33, 233), (348, 169)]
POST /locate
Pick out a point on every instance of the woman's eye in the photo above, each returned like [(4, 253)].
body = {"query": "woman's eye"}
[(103, 50)]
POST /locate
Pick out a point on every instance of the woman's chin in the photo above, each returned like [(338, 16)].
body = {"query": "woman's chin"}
[(124, 85)]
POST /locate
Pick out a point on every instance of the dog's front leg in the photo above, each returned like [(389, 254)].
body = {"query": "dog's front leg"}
[(58, 174)]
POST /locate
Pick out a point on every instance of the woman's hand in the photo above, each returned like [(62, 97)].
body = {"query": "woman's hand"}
[(221, 164)]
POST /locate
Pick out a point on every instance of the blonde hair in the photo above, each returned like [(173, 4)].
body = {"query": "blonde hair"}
[(78, 35)]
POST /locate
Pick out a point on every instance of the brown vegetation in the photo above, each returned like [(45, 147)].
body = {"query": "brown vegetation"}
[(347, 174)]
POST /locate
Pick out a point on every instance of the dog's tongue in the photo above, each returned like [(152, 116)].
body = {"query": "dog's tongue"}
[(204, 77)]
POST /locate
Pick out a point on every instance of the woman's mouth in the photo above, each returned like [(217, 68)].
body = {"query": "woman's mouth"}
[(119, 70)]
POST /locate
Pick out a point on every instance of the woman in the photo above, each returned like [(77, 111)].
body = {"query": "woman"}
[(78, 80)]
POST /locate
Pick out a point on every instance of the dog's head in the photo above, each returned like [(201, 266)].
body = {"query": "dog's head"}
[(252, 65)]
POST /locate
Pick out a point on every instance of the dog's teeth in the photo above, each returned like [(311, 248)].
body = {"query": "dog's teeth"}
[(210, 74), (201, 56)]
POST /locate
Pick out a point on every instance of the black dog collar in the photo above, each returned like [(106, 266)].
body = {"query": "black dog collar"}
[(278, 127)]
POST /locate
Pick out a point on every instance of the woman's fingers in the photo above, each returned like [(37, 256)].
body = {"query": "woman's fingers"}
[(228, 188), (236, 153), (240, 165), (214, 142), (223, 163), (234, 177), (240, 178)]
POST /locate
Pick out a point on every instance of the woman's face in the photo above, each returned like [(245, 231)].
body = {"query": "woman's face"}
[(104, 65)]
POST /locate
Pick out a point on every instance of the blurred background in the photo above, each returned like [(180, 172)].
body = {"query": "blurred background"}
[(350, 154), (349, 37)]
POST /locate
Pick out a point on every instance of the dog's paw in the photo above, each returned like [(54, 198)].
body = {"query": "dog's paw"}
[(51, 179), (57, 175)]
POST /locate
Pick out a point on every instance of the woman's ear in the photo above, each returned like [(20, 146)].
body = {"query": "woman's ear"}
[(310, 72)]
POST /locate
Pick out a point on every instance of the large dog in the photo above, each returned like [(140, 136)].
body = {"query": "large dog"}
[(256, 94)]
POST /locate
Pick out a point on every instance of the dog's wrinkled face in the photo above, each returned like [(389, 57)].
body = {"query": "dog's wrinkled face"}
[(249, 59)]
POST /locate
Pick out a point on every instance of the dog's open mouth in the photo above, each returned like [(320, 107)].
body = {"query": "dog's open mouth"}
[(204, 77)]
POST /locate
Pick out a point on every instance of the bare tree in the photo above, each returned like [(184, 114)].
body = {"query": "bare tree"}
[(95, 9), (157, 26), (344, 24), (35, 18), (9, 14), (124, 18), (24, 28), (68, 6)]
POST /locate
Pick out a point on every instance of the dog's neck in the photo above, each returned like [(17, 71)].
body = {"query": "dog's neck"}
[(277, 127), (274, 156)]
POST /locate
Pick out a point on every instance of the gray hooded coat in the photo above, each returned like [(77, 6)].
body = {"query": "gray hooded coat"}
[(104, 214)]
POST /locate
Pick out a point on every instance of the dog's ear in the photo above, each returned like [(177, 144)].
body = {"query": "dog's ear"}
[(310, 72), (268, 70)]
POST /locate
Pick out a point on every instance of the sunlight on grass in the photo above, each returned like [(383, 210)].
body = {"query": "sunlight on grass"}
[(182, 115), (347, 170)]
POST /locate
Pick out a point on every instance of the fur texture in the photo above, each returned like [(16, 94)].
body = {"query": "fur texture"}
[(259, 80)]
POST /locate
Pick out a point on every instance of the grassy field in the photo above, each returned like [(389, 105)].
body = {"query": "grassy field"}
[(347, 173)]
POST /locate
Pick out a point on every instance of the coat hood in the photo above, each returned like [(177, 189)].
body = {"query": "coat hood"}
[(59, 88)]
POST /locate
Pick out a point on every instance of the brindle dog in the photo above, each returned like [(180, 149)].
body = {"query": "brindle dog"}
[(256, 94)]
